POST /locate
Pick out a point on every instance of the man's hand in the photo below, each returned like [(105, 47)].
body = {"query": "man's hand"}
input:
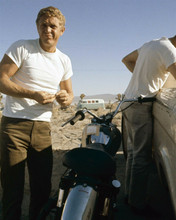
[(44, 97), (62, 97)]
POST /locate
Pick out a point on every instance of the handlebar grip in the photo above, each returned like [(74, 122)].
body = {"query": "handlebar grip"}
[(75, 119), (79, 116), (151, 99)]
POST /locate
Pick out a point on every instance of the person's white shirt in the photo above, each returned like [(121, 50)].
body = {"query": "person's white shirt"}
[(39, 71), (150, 72)]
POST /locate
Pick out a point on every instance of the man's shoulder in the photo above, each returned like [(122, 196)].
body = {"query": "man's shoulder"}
[(61, 55), (24, 45), (25, 42), (158, 44), (163, 41)]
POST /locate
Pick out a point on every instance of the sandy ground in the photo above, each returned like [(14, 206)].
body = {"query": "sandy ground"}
[(68, 137), (63, 139)]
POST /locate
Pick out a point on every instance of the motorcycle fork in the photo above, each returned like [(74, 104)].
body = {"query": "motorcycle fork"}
[(67, 181), (107, 198)]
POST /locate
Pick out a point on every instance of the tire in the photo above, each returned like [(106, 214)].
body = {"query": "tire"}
[(50, 211)]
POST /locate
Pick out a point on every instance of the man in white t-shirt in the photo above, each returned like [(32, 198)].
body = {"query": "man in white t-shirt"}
[(151, 65), (33, 73)]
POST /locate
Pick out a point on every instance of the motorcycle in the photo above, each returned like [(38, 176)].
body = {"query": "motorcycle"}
[(88, 189)]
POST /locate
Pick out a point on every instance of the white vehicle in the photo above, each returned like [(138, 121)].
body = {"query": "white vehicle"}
[(91, 104), (164, 141)]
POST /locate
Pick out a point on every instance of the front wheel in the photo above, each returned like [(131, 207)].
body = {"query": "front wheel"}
[(50, 211)]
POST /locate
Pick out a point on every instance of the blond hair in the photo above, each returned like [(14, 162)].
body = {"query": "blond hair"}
[(51, 12)]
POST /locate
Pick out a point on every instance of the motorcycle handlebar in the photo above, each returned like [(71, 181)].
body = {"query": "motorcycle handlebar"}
[(151, 99), (139, 99), (78, 116)]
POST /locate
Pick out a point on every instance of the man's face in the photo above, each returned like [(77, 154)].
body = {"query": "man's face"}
[(49, 30)]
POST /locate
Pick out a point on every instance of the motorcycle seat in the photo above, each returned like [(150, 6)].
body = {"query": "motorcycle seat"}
[(90, 161)]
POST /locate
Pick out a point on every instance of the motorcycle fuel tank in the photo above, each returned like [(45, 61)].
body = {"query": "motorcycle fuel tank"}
[(80, 203)]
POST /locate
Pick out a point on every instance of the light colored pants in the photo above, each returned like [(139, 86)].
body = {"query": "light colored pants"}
[(138, 124), (25, 141)]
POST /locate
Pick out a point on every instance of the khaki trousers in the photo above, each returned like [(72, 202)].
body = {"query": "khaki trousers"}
[(23, 141)]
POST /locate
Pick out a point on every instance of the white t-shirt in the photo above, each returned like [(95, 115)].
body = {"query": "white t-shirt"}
[(39, 71), (150, 72)]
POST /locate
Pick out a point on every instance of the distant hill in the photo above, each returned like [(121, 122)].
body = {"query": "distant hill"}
[(107, 97)]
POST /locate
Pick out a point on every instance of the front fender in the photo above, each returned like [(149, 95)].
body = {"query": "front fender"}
[(80, 203)]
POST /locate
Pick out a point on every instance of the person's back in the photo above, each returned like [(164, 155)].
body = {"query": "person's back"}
[(151, 65), (150, 72)]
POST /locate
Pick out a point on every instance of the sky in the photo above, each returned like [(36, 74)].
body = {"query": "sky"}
[(99, 33)]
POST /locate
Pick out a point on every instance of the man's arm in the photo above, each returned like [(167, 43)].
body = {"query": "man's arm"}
[(7, 70), (65, 96), (172, 69), (130, 60)]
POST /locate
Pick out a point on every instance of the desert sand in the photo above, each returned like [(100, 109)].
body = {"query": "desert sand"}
[(63, 139)]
